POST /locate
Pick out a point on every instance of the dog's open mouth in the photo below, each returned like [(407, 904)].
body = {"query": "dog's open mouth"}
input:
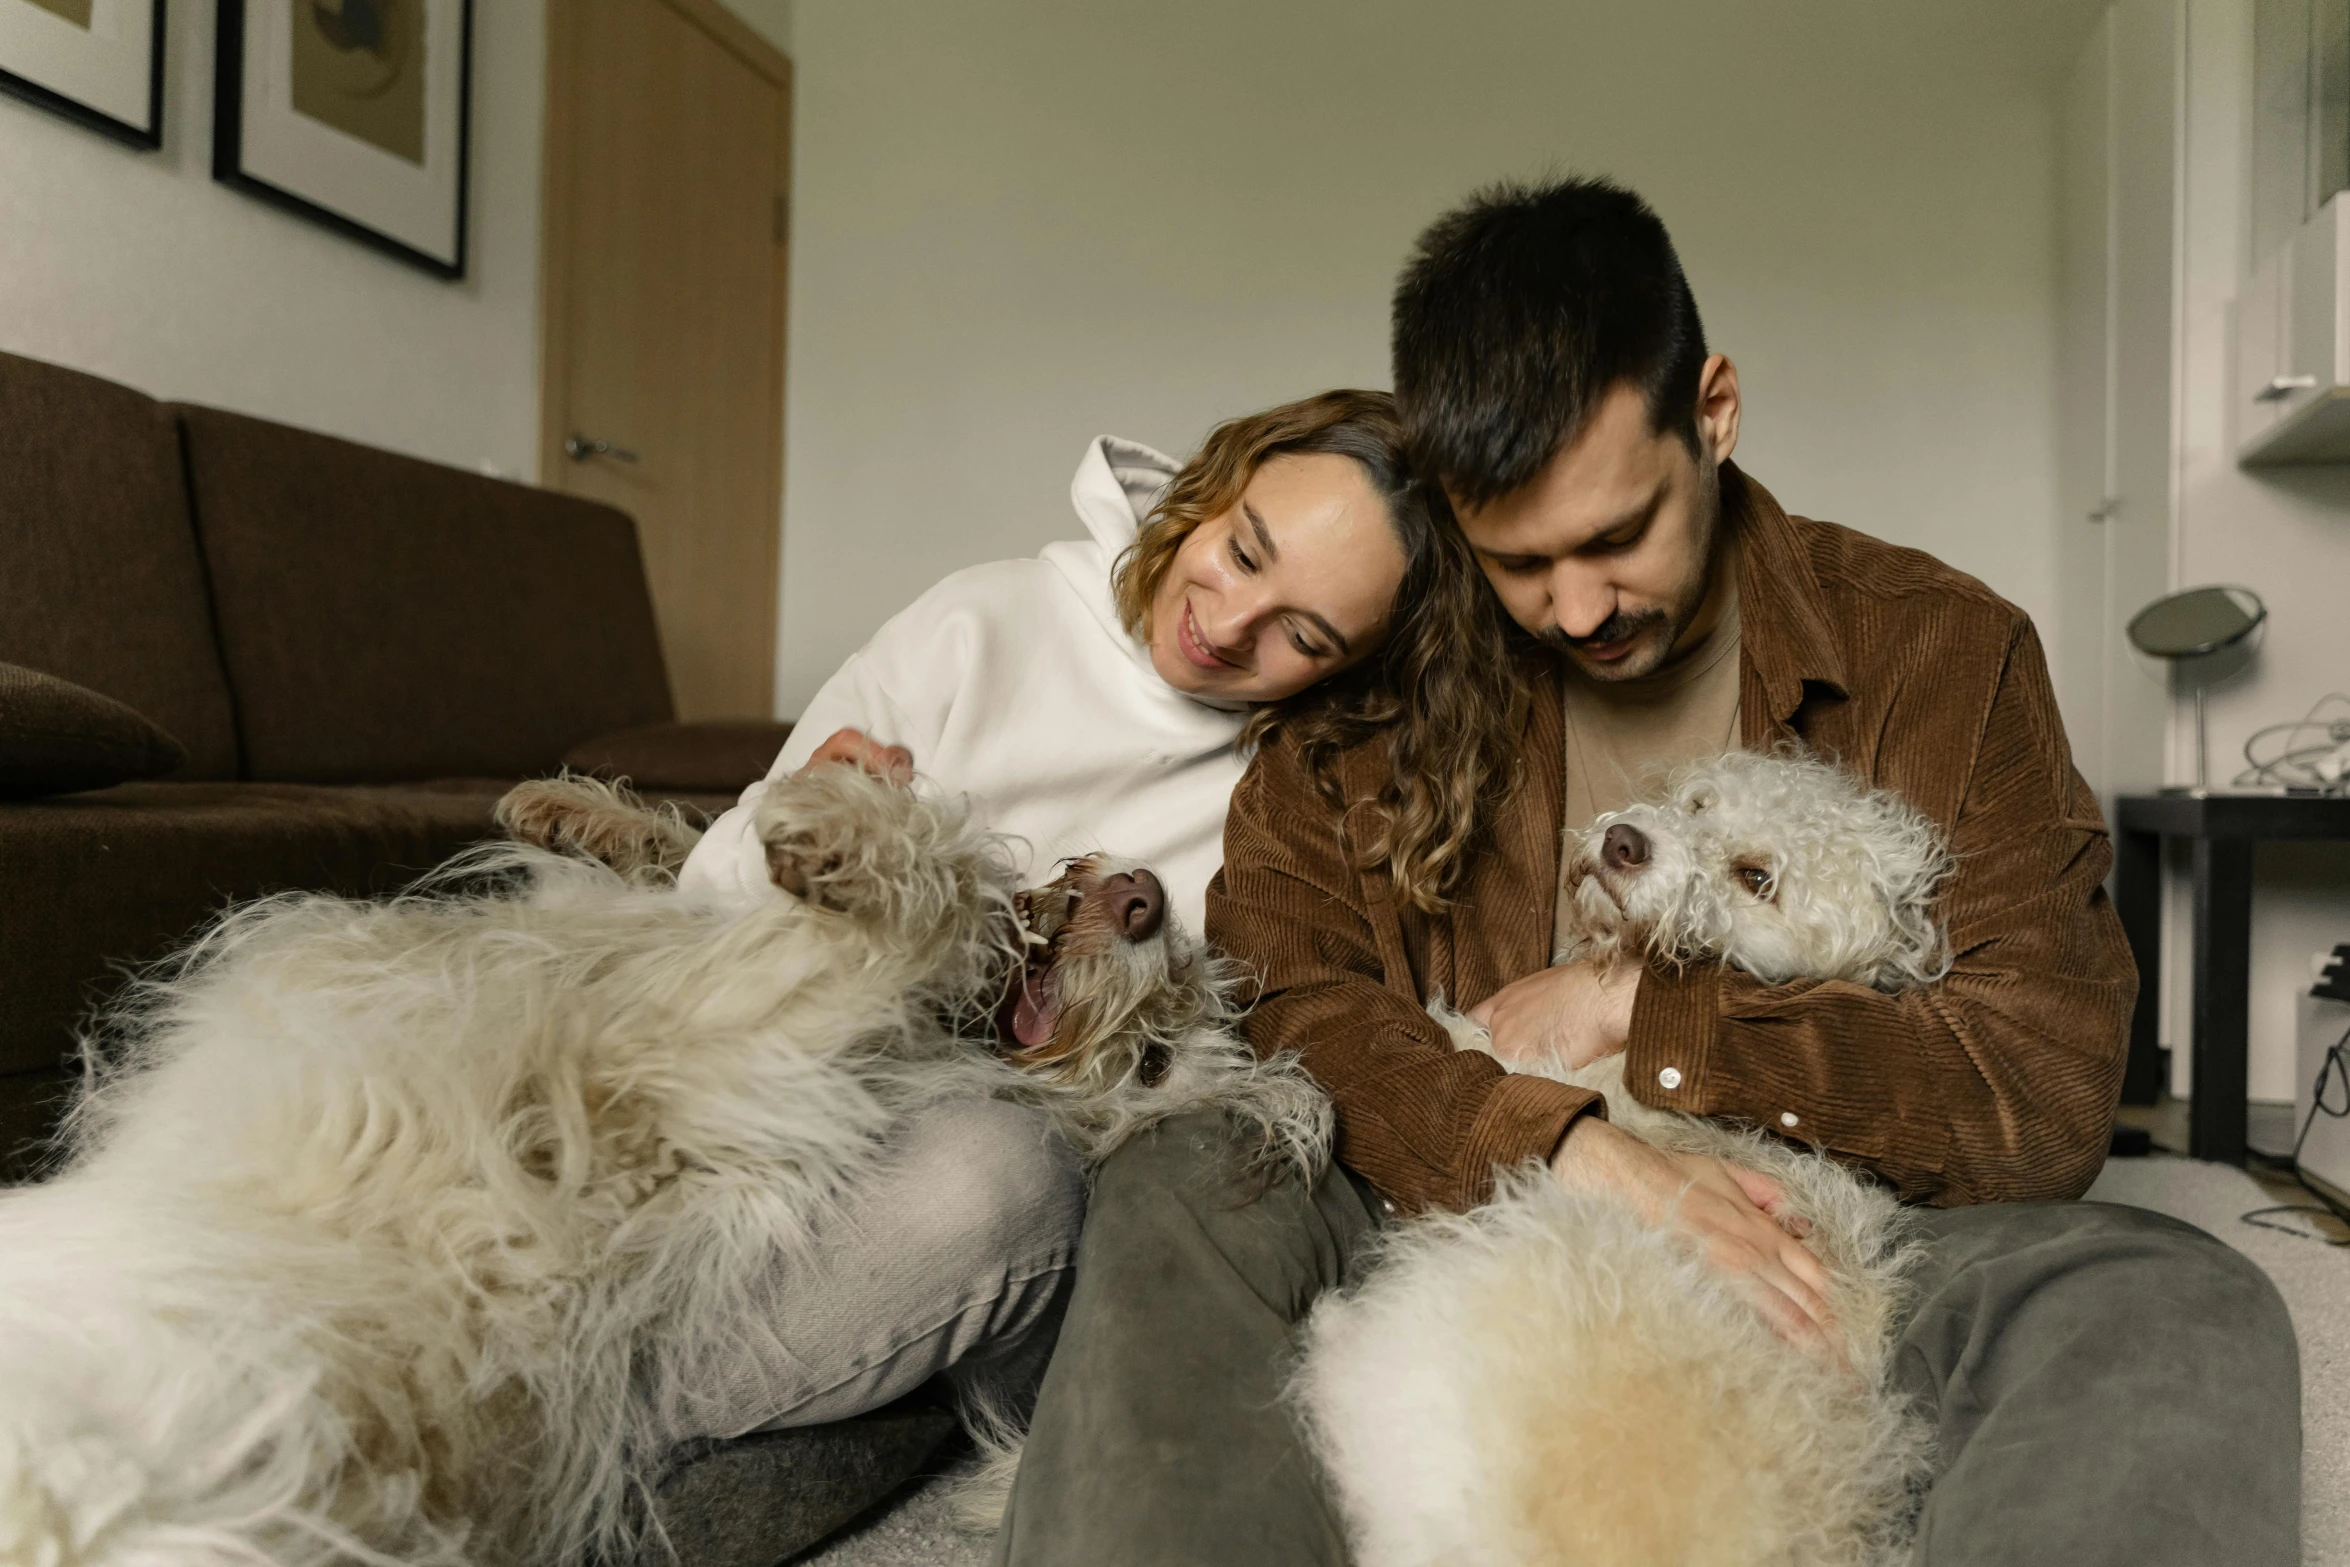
[(1031, 1008)]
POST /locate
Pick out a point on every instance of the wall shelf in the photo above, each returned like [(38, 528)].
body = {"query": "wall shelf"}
[(2316, 431)]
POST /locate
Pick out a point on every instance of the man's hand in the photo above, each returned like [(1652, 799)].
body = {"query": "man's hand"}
[(1574, 1014), (890, 763), (1731, 1215)]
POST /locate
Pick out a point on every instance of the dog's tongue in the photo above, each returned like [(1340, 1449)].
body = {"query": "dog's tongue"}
[(1037, 1010)]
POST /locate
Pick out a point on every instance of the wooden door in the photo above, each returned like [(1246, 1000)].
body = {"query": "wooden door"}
[(667, 180)]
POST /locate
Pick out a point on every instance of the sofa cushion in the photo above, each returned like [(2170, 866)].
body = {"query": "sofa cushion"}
[(386, 619), (57, 737), (711, 756), (100, 582)]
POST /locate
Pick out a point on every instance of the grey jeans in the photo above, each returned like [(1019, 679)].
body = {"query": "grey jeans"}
[(2109, 1385), (956, 1257)]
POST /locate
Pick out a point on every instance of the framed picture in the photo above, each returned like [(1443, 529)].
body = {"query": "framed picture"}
[(96, 61), (353, 113)]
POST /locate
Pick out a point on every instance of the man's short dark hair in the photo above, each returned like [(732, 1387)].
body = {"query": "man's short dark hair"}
[(1520, 311)]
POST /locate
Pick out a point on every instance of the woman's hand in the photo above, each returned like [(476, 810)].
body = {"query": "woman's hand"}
[(1573, 1014), (890, 763)]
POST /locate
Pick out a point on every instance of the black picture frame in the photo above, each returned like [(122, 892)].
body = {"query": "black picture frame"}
[(228, 120), (147, 139)]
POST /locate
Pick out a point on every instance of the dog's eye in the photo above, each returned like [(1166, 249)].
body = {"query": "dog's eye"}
[(1155, 1061), (1755, 879)]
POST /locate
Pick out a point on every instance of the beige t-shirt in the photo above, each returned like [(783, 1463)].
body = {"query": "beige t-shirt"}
[(1622, 735)]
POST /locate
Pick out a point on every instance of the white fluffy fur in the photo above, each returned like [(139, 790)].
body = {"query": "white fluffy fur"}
[(1548, 1379), (390, 1229)]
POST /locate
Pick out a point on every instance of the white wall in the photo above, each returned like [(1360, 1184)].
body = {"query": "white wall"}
[(2285, 533), (1020, 222), (137, 266)]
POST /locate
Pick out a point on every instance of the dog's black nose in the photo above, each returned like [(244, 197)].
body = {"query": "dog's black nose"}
[(1625, 848), (1137, 902)]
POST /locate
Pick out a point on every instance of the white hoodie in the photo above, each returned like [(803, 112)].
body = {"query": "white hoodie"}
[(1014, 684)]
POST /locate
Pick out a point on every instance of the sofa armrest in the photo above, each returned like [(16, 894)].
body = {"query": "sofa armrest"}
[(715, 757)]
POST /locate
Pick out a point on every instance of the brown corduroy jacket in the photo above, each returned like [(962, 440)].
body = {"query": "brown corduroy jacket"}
[(1996, 1084)]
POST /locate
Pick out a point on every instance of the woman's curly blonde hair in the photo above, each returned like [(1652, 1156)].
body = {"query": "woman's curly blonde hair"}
[(1441, 683)]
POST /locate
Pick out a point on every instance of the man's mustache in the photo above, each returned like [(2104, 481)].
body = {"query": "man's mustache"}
[(1618, 627)]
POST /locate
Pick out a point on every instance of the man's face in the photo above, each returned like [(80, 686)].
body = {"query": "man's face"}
[(1607, 554)]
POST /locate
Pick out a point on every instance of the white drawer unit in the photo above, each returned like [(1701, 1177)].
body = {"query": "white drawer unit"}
[(2293, 348)]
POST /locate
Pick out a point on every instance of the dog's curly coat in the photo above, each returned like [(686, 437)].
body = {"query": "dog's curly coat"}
[(390, 1231), (1549, 1379)]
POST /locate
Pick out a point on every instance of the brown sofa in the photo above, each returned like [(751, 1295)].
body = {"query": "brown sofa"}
[(358, 652)]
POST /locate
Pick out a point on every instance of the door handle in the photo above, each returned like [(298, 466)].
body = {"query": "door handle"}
[(579, 449), (2283, 387)]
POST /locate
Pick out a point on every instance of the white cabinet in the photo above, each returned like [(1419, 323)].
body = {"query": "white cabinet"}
[(2293, 348)]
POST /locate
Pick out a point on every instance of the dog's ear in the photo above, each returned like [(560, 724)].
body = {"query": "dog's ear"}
[(1912, 863)]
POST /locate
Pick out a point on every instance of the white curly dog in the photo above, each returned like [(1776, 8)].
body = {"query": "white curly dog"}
[(1548, 1379), (390, 1232)]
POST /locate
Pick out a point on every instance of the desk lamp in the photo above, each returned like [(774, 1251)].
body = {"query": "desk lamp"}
[(2194, 623)]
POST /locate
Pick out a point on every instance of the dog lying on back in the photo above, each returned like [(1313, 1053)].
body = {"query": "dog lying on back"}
[(1549, 1379), (391, 1231)]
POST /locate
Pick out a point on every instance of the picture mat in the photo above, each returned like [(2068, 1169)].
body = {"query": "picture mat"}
[(307, 158), (108, 66)]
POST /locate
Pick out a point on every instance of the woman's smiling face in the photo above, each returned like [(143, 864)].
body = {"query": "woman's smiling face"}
[(1291, 585)]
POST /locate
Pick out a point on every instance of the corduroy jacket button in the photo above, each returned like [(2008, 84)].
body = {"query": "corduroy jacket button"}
[(1787, 1118), (1670, 1077)]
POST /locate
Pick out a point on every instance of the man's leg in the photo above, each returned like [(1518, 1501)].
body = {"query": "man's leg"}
[(1160, 1438), (2109, 1386)]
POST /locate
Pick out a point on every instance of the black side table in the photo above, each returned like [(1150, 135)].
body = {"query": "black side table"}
[(2223, 827)]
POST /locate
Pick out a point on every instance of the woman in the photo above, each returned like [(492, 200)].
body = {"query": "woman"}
[(1105, 695), (1093, 697)]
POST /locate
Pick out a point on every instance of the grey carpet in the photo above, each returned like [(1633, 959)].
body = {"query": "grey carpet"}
[(2314, 1279)]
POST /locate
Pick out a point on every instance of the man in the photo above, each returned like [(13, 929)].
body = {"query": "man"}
[(2108, 1386)]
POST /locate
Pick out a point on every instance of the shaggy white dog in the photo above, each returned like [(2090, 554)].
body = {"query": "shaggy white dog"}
[(1549, 1379), (390, 1230)]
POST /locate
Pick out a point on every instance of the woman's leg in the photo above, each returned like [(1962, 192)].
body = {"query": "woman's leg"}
[(955, 1256)]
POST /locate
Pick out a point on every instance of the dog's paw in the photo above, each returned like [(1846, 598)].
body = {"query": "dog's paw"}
[(840, 840), (833, 838), (598, 820), (534, 812), (801, 865)]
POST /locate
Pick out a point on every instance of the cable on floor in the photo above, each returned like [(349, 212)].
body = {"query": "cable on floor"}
[(2333, 1071)]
